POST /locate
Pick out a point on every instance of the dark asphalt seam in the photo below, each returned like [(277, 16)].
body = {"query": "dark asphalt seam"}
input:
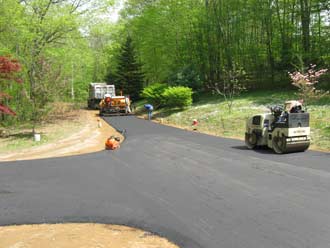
[(122, 132)]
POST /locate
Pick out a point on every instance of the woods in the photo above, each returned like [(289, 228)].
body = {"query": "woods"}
[(63, 45), (266, 38), (52, 41)]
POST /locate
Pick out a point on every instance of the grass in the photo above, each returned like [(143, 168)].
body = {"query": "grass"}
[(23, 138), (63, 120), (214, 117)]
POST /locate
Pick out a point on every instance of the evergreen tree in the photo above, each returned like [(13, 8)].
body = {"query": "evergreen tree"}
[(110, 77), (129, 74)]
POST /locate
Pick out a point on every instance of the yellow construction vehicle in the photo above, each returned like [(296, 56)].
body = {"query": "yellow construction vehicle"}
[(115, 105), (97, 92)]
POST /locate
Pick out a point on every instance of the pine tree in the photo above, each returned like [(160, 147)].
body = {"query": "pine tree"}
[(129, 74)]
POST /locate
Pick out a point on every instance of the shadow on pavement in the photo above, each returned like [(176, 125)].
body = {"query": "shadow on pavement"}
[(263, 150)]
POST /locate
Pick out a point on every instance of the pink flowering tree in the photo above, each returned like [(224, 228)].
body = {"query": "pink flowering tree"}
[(306, 83)]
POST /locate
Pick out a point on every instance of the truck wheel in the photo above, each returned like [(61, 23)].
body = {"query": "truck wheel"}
[(251, 140), (279, 144)]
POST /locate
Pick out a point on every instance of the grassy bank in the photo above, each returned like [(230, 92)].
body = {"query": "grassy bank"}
[(214, 117)]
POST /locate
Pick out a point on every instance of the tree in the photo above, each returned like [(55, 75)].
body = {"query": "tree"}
[(129, 75), (230, 85), (54, 42), (266, 37), (305, 10), (8, 69)]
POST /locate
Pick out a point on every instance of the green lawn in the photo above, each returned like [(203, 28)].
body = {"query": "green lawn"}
[(214, 117)]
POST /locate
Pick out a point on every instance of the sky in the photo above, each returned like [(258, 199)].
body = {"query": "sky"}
[(114, 11)]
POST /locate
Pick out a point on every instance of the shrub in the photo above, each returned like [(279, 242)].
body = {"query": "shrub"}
[(177, 97), (154, 94), (186, 76)]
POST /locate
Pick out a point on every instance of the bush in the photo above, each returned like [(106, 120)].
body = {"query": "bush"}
[(177, 97), (186, 76), (154, 94)]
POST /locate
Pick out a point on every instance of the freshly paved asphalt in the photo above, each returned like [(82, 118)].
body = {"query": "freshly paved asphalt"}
[(194, 189)]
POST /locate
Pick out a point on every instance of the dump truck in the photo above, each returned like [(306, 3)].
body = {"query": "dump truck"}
[(284, 129), (115, 105), (97, 91)]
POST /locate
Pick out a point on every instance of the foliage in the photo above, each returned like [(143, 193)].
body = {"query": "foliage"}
[(265, 37), (306, 83), (188, 77), (64, 45), (8, 70), (214, 121), (179, 97), (154, 94), (129, 75), (61, 46)]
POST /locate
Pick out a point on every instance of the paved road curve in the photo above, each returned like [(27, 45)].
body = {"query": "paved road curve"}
[(194, 189)]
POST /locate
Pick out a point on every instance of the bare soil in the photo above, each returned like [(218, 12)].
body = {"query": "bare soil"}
[(87, 135), (79, 236)]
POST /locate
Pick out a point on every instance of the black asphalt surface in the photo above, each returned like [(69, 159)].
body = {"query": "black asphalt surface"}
[(194, 189)]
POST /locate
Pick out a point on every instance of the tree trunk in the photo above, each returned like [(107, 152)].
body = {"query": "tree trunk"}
[(305, 26)]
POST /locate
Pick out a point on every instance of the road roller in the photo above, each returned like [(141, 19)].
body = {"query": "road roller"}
[(285, 129)]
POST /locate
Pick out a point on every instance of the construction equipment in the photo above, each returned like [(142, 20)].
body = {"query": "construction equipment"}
[(284, 129), (112, 143), (115, 105), (97, 92)]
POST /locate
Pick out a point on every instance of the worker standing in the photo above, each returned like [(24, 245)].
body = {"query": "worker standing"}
[(149, 108), (128, 104)]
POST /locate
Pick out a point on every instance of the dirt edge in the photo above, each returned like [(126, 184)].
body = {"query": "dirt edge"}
[(89, 139), (74, 235)]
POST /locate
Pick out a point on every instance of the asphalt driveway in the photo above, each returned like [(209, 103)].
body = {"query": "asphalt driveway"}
[(194, 189)]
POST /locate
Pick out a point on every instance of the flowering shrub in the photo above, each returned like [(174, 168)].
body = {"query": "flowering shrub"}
[(8, 68), (306, 82)]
